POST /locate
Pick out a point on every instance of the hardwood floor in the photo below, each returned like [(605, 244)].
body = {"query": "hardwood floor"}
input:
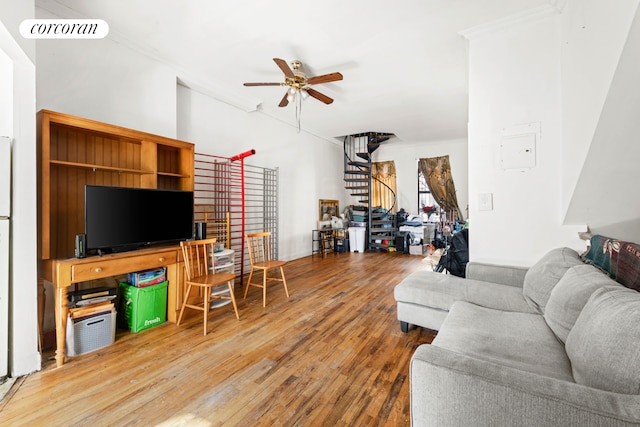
[(331, 355)]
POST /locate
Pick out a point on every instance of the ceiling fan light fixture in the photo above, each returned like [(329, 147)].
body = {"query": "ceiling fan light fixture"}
[(298, 83)]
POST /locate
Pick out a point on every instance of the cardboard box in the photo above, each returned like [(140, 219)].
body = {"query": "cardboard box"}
[(147, 278), (418, 249)]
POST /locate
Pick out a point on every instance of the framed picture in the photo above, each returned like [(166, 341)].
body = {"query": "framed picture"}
[(327, 209)]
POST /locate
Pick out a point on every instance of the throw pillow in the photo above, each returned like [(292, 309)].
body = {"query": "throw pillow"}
[(599, 253), (568, 297), (545, 274), (604, 344), (618, 258)]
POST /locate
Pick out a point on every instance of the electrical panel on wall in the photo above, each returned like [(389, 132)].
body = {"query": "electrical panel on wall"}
[(518, 147)]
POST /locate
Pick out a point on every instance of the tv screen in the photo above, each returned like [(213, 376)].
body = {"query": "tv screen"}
[(118, 218)]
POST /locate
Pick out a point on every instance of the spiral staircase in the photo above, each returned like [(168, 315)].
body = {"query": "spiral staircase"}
[(358, 177)]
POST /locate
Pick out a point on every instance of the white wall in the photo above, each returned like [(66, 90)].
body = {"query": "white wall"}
[(406, 155), (594, 33), (23, 339), (310, 168), (514, 79), (102, 80), (12, 13), (605, 194)]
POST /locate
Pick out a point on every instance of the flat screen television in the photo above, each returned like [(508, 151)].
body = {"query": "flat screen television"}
[(118, 218)]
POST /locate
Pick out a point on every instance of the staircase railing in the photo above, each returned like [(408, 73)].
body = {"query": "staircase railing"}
[(381, 226)]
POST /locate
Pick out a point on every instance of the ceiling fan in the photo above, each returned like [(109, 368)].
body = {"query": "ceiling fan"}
[(299, 83)]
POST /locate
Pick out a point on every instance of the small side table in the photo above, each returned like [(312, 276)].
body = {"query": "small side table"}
[(322, 242)]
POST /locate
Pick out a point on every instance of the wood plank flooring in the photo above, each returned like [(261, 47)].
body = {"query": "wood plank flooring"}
[(330, 355)]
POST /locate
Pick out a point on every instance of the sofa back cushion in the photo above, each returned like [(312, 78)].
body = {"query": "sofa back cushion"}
[(604, 344), (568, 297), (545, 274)]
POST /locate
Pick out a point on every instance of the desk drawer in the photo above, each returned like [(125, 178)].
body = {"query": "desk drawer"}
[(104, 267)]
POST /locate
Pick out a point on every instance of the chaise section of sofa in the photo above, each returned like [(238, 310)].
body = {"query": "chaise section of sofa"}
[(424, 298)]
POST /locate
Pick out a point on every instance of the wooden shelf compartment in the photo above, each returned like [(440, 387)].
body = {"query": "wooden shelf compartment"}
[(99, 167), (75, 152)]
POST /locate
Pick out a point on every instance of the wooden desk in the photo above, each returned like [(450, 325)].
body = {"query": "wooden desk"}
[(65, 272)]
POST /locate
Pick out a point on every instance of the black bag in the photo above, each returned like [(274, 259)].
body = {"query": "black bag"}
[(438, 242), (456, 257)]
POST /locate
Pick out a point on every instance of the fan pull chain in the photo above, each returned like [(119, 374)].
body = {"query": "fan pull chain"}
[(298, 101)]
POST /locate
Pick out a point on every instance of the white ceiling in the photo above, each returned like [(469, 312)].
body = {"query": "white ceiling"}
[(404, 63)]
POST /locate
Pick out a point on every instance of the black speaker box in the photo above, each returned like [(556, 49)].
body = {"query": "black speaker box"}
[(201, 230), (403, 240), (81, 245)]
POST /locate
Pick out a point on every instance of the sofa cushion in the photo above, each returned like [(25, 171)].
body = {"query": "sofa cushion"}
[(568, 297), (604, 344), (440, 291), (545, 274), (519, 340)]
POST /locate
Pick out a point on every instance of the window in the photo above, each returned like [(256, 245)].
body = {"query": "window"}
[(425, 199)]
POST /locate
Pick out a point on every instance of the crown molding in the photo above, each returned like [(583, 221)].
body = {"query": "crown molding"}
[(531, 15)]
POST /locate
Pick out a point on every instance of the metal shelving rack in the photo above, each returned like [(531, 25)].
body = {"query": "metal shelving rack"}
[(235, 198)]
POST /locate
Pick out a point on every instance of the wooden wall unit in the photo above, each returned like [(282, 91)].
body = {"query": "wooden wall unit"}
[(76, 151)]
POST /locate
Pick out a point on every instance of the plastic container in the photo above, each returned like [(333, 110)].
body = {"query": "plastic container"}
[(90, 333), (356, 239)]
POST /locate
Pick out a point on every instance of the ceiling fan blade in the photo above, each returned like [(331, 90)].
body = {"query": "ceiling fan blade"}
[(284, 67), (325, 78), (319, 96), (285, 100), (262, 84)]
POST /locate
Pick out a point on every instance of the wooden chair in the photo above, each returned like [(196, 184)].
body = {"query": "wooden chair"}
[(200, 268), (259, 248)]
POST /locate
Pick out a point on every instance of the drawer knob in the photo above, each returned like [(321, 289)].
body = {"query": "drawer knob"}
[(98, 270), (161, 259)]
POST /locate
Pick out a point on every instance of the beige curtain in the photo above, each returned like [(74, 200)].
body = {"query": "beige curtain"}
[(437, 173), (383, 185)]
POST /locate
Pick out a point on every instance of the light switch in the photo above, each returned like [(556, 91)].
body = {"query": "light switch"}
[(485, 201)]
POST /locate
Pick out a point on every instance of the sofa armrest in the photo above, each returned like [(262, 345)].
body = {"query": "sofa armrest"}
[(495, 273), (451, 389)]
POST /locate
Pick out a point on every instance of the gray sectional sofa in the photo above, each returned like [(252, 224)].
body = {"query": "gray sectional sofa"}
[(557, 344)]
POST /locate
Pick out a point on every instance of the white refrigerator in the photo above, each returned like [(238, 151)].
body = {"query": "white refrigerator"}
[(5, 216)]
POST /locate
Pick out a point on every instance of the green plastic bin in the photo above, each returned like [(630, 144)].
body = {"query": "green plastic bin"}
[(145, 307)]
